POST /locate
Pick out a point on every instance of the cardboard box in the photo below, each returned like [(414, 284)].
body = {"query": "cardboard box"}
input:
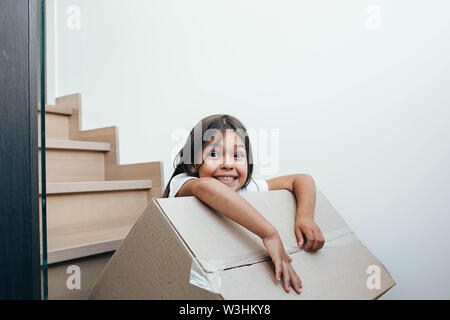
[(181, 248)]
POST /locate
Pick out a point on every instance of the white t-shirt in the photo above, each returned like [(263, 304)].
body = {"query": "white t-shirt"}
[(254, 185)]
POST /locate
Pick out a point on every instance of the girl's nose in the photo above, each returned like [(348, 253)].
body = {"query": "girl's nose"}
[(228, 163)]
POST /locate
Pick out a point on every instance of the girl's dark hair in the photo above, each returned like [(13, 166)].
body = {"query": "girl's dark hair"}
[(186, 160)]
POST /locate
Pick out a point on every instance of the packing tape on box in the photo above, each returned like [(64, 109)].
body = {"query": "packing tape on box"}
[(205, 273), (208, 281)]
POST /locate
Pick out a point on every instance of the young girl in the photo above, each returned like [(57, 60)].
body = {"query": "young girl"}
[(216, 165)]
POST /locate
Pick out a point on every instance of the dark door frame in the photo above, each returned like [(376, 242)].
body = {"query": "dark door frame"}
[(19, 200)]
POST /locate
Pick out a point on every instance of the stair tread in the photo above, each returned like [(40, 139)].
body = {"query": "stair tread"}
[(96, 186), (66, 111), (85, 243), (75, 145)]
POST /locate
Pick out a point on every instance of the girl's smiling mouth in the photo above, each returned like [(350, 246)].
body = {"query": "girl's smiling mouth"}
[(226, 179)]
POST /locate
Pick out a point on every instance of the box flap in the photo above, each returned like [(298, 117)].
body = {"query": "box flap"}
[(337, 271), (219, 243)]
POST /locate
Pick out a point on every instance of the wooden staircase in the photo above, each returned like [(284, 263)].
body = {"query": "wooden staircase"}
[(92, 201)]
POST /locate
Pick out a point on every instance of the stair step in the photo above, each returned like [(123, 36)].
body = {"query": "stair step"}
[(83, 244), (82, 251), (57, 110), (75, 145), (56, 126), (73, 165), (90, 267), (96, 186), (83, 224)]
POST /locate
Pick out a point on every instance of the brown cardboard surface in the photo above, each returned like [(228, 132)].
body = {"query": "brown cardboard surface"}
[(151, 263), (155, 259), (227, 241), (330, 273)]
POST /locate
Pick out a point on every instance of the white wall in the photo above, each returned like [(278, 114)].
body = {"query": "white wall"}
[(361, 101)]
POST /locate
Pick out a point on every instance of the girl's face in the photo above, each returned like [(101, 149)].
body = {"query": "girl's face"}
[(226, 162)]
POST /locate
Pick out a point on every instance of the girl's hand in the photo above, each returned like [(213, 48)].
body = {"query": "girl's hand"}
[(314, 237), (282, 263)]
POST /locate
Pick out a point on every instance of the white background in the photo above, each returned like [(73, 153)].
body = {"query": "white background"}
[(359, 91)]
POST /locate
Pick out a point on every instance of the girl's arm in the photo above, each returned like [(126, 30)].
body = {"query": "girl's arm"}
[(218, 196), (304, 188)]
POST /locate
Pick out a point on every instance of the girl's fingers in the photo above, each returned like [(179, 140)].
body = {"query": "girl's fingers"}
[(299, 282), (310, 240), (295, 280), (290, 259), (286, 278), (278, 270), (318, 243), (321, 239), (296, 284), (299, 236), (290, 277)]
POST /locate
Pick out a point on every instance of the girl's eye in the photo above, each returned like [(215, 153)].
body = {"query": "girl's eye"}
[(213, 154)]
